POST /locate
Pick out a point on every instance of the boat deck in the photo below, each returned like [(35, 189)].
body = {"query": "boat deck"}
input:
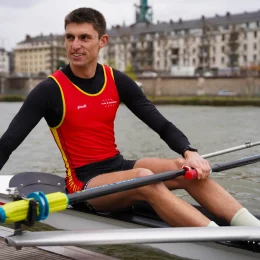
[(45, 253)]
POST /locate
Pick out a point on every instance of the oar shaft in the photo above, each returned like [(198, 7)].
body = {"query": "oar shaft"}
[(123, 186), (138, 182), (233, 149), (235, 164), (13, 212)]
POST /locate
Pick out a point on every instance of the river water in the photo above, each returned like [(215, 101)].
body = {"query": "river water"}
[(208, 128)]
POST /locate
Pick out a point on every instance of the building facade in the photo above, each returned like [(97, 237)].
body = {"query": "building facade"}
[(221, 43), (4, 62), (39, 55)]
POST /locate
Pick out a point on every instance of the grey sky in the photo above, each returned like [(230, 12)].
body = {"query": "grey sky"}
[(21, 17)]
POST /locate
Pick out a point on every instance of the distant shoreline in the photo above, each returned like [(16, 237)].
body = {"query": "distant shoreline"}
[(11, 98), (181, 100), (206, 101)]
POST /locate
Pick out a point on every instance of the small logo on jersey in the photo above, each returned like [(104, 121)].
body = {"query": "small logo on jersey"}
[(108, 102), (83, 106)]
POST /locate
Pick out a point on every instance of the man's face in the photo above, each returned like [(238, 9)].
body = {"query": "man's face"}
[(83, 44)]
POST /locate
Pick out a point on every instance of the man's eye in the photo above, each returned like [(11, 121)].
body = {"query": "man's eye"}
[(84, 37)]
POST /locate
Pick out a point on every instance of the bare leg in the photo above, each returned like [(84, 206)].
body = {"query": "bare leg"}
[(170, 208), (208, 193)]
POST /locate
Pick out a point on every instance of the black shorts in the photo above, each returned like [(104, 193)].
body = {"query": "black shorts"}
[(114, 164), (86, 173)]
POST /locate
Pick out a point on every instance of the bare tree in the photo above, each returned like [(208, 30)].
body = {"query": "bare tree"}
[(232, 47), (207, 40), (187, 49)]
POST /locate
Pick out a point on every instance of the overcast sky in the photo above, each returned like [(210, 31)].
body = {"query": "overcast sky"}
[(21, 17)]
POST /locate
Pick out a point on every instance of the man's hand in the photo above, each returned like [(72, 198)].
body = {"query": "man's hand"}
[(194, 160)]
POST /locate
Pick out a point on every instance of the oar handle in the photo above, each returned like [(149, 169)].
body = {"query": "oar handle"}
[(190, 173)]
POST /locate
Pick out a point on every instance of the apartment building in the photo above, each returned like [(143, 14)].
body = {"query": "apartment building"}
[(217, 43), (41, 54), (4, 62), (220, 43)]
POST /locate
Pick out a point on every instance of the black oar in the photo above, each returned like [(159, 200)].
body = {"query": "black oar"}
[(138, 182), (58, 201)]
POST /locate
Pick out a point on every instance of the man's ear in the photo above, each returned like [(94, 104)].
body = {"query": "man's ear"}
[(103, 41)]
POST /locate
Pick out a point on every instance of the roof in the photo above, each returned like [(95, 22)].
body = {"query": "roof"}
[(146, 27), (41, 38), (139, 28)]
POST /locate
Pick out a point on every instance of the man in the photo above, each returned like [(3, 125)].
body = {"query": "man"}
[(79, 103)]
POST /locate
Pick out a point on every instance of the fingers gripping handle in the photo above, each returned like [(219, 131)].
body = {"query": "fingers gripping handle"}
[(190, 173)]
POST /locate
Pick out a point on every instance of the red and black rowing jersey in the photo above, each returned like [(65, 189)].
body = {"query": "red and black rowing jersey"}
[(85, 134)]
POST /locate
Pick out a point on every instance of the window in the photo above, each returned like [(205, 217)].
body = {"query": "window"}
[(175, 51), (174, 61), (223, 37), (222, 60), (245, 58), (255, 46), (255, 34), (255, 58)]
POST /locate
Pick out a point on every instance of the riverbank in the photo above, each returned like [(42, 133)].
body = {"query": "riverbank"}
[(11, 98), (205, 101), (179, 100)]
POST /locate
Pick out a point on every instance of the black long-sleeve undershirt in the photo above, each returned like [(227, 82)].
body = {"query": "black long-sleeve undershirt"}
[(45, 101)]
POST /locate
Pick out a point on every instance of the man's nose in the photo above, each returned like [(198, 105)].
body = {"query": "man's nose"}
[(76, 44)]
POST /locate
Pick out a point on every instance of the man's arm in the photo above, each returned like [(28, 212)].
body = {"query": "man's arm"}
[(133, 97), (135, 100), (33, 109)]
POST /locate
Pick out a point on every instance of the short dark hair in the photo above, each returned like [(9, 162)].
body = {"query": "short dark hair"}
[(87, 15)]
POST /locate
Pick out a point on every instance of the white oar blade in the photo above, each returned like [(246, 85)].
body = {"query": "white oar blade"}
[(134, 236)]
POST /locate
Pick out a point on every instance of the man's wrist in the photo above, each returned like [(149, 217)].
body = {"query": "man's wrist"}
[(189, 150), (188, 153)]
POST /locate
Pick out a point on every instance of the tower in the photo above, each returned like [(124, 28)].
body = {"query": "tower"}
[(143, 13)]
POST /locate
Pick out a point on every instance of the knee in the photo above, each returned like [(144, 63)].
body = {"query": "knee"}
[(178, 183), (179, 163), (141, 172), (146, 190)]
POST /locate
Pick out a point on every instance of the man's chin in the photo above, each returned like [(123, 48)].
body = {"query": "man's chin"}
[(77, 63)]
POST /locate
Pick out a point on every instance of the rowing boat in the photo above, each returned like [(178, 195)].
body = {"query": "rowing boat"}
[(138, 224)]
